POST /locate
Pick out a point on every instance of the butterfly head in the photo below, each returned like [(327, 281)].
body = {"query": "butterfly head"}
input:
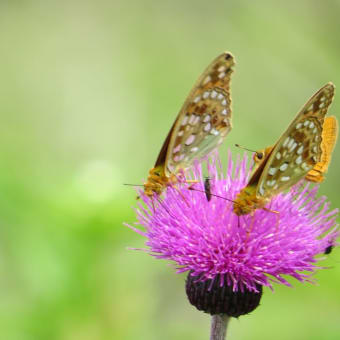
[(156, 181), (261, 155)]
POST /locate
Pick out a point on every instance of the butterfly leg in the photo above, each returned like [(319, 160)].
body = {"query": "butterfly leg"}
[(272, 211), (248, 229), (277, 213), (277, 223), (164, 207), (180, 179), (180, 193), (252, 215), (153, 205), (192, 181)]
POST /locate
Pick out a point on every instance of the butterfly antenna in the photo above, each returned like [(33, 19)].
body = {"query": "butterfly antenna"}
[(134, 185), (224, 198), (259, 154)]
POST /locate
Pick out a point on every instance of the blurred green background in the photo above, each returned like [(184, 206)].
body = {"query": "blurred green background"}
[(88, 92)]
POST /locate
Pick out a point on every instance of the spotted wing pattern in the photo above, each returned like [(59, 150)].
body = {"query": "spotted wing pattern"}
[(329, 136), (203, 121), (299, 148)]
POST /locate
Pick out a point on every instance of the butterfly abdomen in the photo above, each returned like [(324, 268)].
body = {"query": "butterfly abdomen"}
[(246, 201)]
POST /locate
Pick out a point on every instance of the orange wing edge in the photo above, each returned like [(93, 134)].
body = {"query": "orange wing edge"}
[(329, 138)]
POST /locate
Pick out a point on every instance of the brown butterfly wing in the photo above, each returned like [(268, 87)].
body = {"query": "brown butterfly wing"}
[(298, 149), (203, 121)]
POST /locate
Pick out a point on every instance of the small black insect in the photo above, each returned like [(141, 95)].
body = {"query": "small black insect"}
[(207, 188), (328, 250)]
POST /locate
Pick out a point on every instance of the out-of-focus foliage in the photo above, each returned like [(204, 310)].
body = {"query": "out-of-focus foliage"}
[(88, 92)]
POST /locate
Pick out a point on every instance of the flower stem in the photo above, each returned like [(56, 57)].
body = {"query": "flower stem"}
[(219, 324)]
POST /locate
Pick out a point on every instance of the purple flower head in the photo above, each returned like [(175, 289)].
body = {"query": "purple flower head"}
[(209, 240)]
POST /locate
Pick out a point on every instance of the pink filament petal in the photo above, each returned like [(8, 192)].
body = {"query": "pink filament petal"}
[(208, 239)]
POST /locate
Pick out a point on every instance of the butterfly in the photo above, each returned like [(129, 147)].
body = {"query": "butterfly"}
[(303, 150), (329, 136), (201, 125)]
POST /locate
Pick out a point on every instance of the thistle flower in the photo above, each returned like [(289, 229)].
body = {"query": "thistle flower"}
[(219, 249)]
